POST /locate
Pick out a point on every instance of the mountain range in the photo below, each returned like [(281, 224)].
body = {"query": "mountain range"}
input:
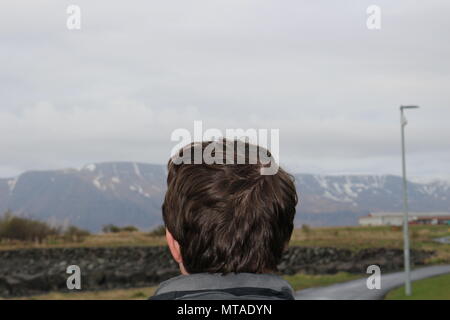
[(129, 193)]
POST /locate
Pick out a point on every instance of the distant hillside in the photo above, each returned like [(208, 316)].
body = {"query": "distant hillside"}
[(117, 193), (339, 200), (125, 193)]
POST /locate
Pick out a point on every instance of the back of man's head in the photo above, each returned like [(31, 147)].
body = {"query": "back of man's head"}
[(228, 217)]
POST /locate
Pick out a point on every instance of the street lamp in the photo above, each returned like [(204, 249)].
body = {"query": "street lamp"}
[(404, 122)]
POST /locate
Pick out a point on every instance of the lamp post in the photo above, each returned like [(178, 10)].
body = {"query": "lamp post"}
[(404, 122)]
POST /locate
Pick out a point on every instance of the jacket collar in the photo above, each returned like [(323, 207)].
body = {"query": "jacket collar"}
[(233, 283)]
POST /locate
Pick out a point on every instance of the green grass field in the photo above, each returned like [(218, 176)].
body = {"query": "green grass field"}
[(435, 288)]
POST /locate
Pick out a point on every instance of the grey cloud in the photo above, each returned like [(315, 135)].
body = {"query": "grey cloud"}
[(116, 89)]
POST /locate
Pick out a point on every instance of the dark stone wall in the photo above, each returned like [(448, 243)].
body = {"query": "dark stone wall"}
[(319, 260), (35, 271)]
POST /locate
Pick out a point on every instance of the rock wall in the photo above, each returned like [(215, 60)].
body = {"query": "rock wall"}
[(28, 272), (319, 260)]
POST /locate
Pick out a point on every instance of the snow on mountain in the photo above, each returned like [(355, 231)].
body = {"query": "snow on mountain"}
[(337, 200), (12, 184), (125, 193)]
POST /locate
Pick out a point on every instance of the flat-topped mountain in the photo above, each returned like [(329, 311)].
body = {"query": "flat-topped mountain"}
[(128, 193)]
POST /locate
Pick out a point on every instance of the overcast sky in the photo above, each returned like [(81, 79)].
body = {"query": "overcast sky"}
[(136, 71)]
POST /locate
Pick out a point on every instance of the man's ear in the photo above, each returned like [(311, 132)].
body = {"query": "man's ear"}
[(175, 250), (174, 247)]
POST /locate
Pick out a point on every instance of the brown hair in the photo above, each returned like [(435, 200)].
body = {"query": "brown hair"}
[(228, 217)]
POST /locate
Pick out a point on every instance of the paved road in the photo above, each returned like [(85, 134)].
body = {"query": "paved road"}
[(357, 289)]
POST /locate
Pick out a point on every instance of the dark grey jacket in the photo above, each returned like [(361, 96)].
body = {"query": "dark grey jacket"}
[(233, 286)]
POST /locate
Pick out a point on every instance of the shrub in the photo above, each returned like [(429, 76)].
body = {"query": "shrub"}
[(306, 229), (18, 228), (75, 234), (158, 232), (110, 228), (130, 229), (30, 230)]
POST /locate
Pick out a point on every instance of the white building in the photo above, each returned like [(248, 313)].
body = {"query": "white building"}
[(381, 220), (396, 218)]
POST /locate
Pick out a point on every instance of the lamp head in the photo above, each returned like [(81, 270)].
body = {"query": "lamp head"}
[(409, 107)]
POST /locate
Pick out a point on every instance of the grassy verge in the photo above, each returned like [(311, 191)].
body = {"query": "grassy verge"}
[(435, 288), (302, 281), (367, 237), (298, 282), (116, 294), (119, 239)]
